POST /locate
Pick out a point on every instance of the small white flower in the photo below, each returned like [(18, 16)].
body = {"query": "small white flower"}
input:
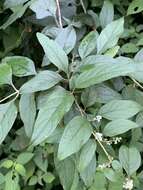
[(108, 142), (128, 184), (102, 166), (98, 118), (117, 140), (99, 136)]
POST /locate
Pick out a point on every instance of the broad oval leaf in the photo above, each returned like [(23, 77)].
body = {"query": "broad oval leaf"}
[(54, 52), (137, 74), (75, 135), (118, 127), (110, 35), (100, 93), (101, 72), (59, 102), (5, 74), (66, 38), (107, 13), (24, 158), (88, 174), (88, 44), (86, 155), (42, 81), (43, 8), (8, 113), (120, 109), (135, 6), (21, 66), (27, 108), (68, 173), (11, 181), (13, 3), (18, 13), (130, 159)]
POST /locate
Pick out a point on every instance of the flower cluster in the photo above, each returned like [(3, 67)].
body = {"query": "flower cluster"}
[(104, 165), (114, 140), (128, 184)]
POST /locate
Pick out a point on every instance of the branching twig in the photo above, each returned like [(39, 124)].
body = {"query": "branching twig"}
[(11, 95), (106, 153), (82, 112), (137, 83), (79, 108), (82, 4), (15, 93), (14, 88), (59, 14)]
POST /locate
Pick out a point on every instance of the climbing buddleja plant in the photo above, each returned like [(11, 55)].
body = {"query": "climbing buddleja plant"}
[(71, 95)]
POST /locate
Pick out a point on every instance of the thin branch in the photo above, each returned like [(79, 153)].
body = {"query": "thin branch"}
[(59, 14), (82, 4), (137, 83), (15, 93), (82, 112), (11, 95), (13, 86), (106, 153), (79, 108)]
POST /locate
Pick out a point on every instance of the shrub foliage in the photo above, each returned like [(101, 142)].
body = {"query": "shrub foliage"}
[(71, 94)]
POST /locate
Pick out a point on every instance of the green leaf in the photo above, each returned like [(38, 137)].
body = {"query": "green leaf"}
[(88, 174), (18, 13), (99, 182), (49, 116), (5, 74), (43, 8), (135, 6), (54, 52), (68, 173), (7, 164), (55, 136), (48, 177), (24, 158), (110, 174), (137, 74), (42, 81), (27, 108), (130, 159), (20, 169), (110, 35), (75, 135), (67, 39), (99, 93), (139, 56), (118, 127), (140, 42), (11, 39), (40, 162), (119, 109), (88, 44), (13, 3), (131, 93), (113, 51), (8, 113), (129, 48), (33, 180), (11, 181), (101, 72), (21, 66), (86, 155), (2, 178), (107, 13)]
